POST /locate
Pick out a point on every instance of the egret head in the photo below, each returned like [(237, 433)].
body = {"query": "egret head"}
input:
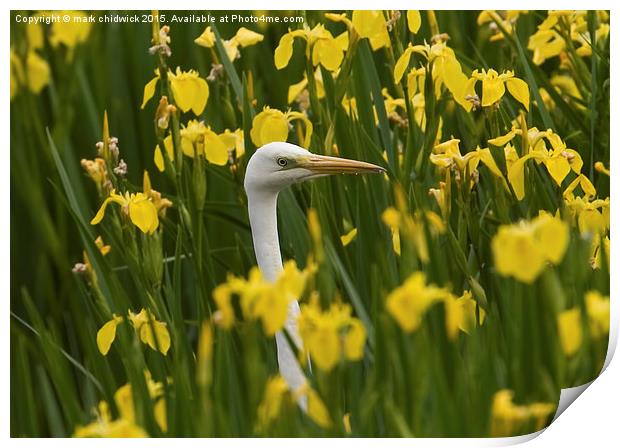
[(278, 165)]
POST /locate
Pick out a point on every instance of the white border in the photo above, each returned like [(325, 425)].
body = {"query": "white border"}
[(592, 421)]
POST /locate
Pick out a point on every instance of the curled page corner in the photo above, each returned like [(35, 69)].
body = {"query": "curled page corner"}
[(570, 394), (567, 397)]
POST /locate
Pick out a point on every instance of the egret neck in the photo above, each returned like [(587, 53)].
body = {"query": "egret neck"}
[(262, 209)]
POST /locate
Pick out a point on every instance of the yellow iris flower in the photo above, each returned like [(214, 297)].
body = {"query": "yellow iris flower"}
[(104, 426), (144, 323), (507, 19), (446, 70), (461, 314), (206, 39), (448, 154), (509, 419), (152, 332), (190, 91), (408, 303), (34, 76), (369, 25), (276, 394), (260, 299), (559, 160), (278, 397), (272, 125), (125, 425), (70, 33), (591, 215), (547, 42), (494, 87), (137, 206), (321, 47), (197, 139), (243, 38), (232, 140), (330, 335), (523, 250)]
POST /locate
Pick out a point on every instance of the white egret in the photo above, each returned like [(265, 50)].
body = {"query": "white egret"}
[(272, 168)]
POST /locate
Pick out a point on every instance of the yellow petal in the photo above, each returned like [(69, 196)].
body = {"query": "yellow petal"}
[(591, 221), (569, 328), (516, 176), (455, 80), (190, 91), (339, 18), (268, 126), (489, 161), (380, 40), (454, 317), (396, 241), (159, 412), (215, 151), (246, 37), (149, 91), (520, 91), (161, 332), (402, 64), (348, 237), (354, 341), (492, 90), (107, 334), (324, 348), (413, 21), (231, 48), (558, 168), (597, 307), (502, 139), (517, 253), (206, 39), (368, 23), (575, 162), (202, 95), (328, 54), (295, 89), (552, 236), (158, 159), (101, 212), (317, 410), (34, 35), (307, 123), (143, 213), (38, 72), (342, 41), (283, 52)]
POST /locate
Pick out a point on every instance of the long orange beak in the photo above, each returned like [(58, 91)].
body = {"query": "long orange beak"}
[(336, 165)]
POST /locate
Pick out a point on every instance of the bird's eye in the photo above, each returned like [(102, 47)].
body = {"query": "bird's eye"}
[(282, 162)]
